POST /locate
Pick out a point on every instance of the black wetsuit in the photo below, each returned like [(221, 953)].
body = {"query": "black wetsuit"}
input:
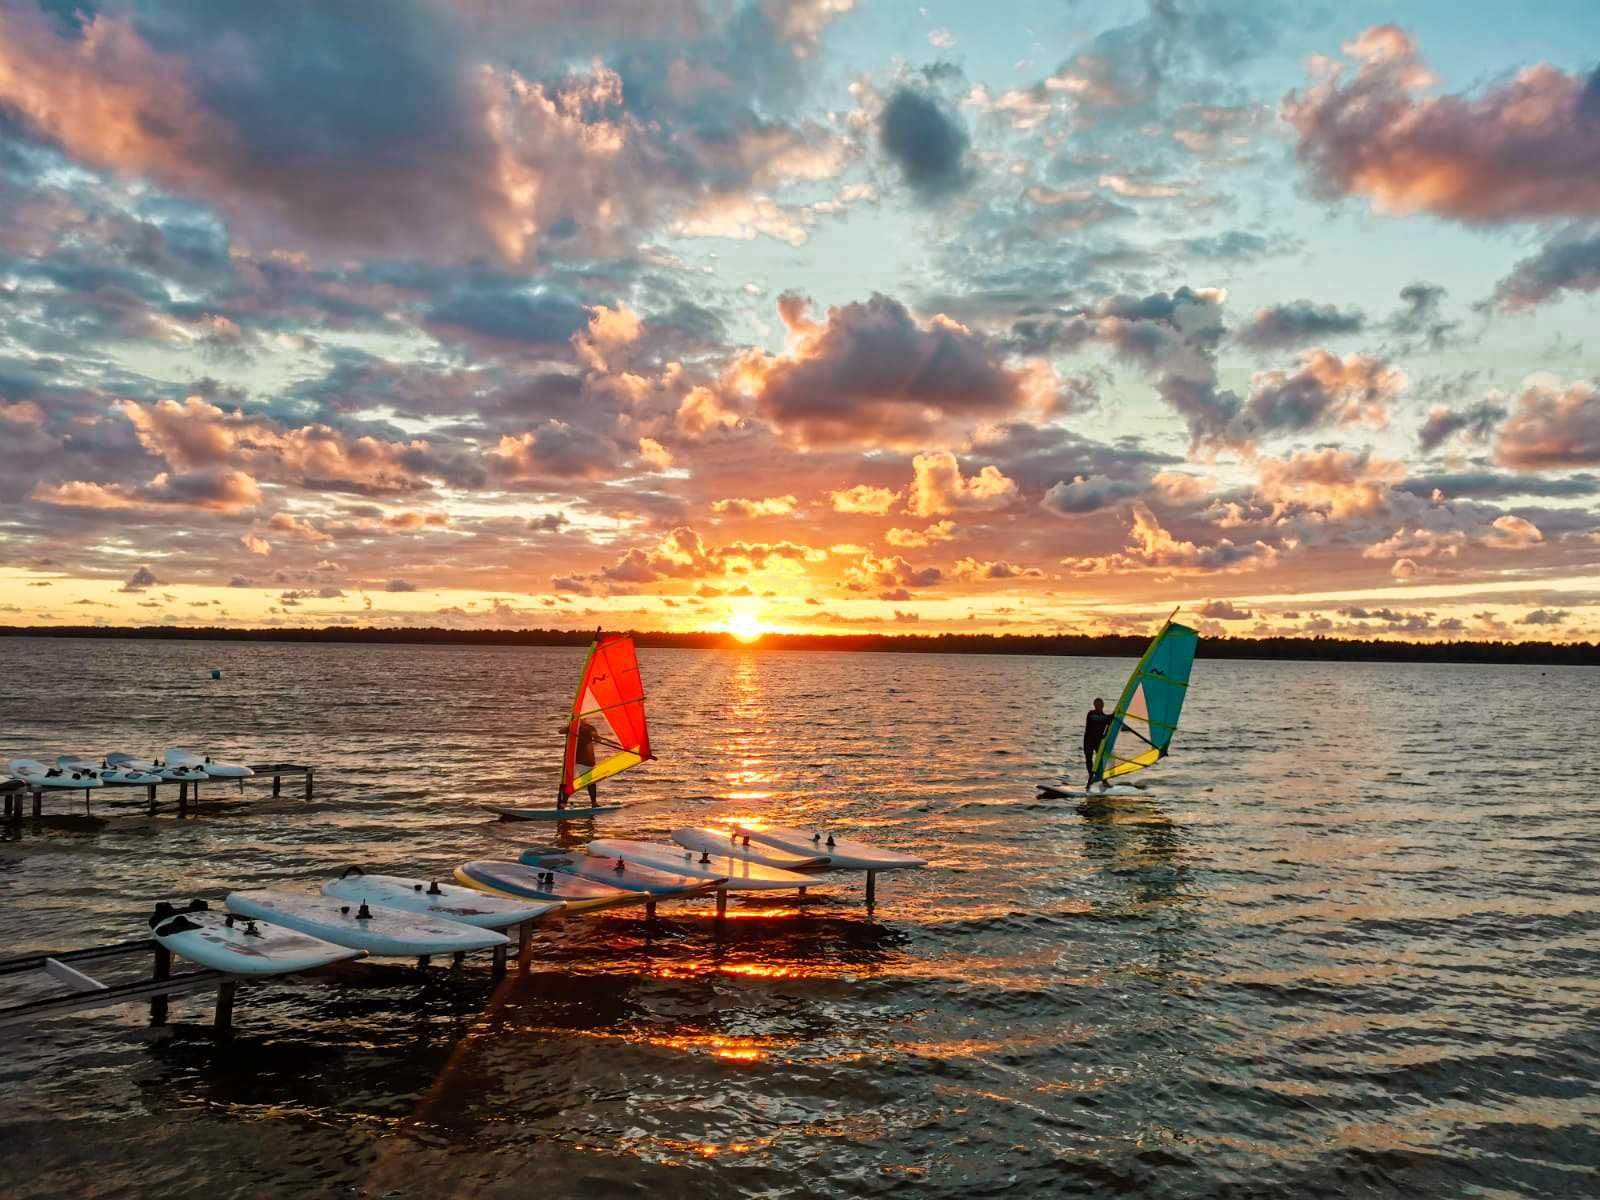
[(1094, 732)]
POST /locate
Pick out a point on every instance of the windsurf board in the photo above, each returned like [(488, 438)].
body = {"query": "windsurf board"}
[(374, 928), (843, 854), (241, 946), (619, 872), (36, 775), (111, 776), (209, 768), (572, 812), (738, 846), (734, 874), (519, 882), (435, 899)]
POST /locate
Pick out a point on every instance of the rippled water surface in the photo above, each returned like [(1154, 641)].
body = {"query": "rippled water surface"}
[(1346, 945)]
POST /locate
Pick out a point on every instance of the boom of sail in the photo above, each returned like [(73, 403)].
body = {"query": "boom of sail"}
[(611, 699), (1146, 716)]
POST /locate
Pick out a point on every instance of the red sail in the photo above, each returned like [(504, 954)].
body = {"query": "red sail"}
[(611, 701)]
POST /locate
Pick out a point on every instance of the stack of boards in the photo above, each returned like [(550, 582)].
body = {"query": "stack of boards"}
[(266, 932), (77, 772)]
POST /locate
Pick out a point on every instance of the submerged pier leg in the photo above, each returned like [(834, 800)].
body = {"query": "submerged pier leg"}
[(309, 773), (277, 784), (872, 888), (524, 944), (422, 962), (38, 804), (224, 1017), (151, 796), (161, 970), (499, 967), (650, 910)]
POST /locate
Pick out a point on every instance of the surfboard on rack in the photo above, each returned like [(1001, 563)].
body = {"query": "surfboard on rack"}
[(432, 898), (619, 872), (735, 845), (39, 777), (520, 882), (843, 853), (736, 875), (381, 931), (240, 945)]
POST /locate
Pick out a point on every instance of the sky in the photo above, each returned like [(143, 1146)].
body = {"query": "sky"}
[(803, 315)]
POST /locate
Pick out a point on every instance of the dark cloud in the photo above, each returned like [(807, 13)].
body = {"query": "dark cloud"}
[(1566, 264), (399, 585), (1493, 485), (1298, 323), (873, 373), (143, 578), (927, 143), (1477, 422), (1086, 494), (1224, 610), (1544, 616), (510, 314), (1419, 321)]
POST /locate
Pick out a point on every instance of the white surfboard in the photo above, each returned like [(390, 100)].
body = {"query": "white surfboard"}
[(36, 775), (736, 845), (173, 774), (448, 900), (572, 812), (619, 872), (111, 776), (520, 882), (843, 854), (735, 875), (241, 946), (210, 768), (377, 930)]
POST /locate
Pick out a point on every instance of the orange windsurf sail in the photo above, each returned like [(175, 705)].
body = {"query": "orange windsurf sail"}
[(610, 702)]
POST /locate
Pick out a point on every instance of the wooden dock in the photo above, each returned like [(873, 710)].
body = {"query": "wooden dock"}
[(12, 791)]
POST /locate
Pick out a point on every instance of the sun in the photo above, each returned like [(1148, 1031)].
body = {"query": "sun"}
[(746, 626)]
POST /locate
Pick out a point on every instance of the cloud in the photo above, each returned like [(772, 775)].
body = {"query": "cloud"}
[(1476, 423), (1543, 616), (873, 573), (1151, 547), (1297, 323), (654, 455), (927, 143), (938, 487), (1568, 264), (399, 585), (218, 489), (1523, 150), (143, 578), (771, 506), (1340, 483), (1325, 390), (1508, 532), (864, 498), (873, 373), (1224, 610), (974, 569), (1551, 428), (255, 545), (1088, 494), (913, 539)]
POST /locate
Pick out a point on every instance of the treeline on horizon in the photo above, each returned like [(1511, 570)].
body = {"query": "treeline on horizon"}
[(1315, 649)]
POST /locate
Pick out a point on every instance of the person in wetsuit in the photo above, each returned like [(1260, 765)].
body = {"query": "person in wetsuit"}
[(1094, 732), (583, 757)]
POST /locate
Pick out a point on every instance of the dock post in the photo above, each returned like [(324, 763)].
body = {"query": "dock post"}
[(309, 774), (277, 783), (499, 967), (152, 798), (224, 1018), (524, 944), (422, 962), (38, 804), (183, 799), (650, 910), (162, 970), (461, 956), (722, 905), (872, 888)]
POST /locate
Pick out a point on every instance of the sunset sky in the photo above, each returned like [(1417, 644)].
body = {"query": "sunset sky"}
[(802, 314)]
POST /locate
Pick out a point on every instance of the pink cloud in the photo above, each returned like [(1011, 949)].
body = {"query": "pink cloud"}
[(1551, 428), (1522, 150)]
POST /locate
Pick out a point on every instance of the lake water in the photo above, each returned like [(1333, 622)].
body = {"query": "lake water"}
[(1346, 946)]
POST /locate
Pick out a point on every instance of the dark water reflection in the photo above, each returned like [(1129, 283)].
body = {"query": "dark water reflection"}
[(1348, 948)]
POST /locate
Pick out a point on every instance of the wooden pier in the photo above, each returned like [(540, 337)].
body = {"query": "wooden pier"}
[(12, 791)]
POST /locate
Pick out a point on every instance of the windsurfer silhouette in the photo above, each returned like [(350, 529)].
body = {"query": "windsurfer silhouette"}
[(583, 756), (1094, 732)]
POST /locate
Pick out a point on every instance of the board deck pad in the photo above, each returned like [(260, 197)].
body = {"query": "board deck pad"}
[(450, 901), (736, 875), (843, 854), (382, 931), (239, 946), (659, 884), (515, 880), (734, 845)]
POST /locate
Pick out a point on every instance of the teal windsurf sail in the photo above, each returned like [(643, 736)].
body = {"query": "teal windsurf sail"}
[(1146, 716)]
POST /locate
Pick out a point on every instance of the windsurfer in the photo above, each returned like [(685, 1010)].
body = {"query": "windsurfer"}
[(583, 757), (1094, 732)]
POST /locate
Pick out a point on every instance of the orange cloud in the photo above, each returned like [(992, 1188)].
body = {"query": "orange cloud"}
[(938, 488)]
